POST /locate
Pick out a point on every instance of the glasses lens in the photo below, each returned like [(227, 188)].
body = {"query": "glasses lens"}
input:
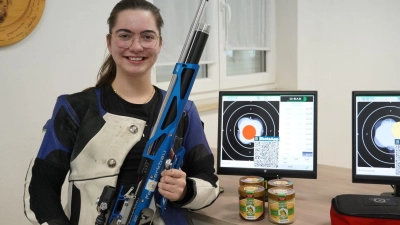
[(125, 40), (148, 40)]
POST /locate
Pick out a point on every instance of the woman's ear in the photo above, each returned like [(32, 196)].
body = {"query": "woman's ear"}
[(108, 40), (160, 45)]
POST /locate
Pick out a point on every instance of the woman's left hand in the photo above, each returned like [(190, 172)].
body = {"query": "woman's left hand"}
[(172, 184)]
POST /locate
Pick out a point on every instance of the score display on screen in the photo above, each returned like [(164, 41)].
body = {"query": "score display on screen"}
[(269, 134)]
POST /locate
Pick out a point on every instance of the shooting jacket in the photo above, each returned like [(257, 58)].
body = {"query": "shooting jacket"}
[(90, 144)]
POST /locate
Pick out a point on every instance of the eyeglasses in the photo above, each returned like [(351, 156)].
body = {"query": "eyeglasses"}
[(125, 39)]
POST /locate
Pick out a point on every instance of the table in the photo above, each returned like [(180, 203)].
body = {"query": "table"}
[(313, 198)]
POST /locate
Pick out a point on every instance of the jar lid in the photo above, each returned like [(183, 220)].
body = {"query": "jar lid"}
[(251, 190), (281, 193), (280, 182), (251, 180)]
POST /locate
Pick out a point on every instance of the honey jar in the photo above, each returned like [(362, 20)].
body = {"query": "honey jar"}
[(281, 205), (251, 202)]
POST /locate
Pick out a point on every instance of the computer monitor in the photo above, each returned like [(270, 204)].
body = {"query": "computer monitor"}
[(376, 138), (270, 134)]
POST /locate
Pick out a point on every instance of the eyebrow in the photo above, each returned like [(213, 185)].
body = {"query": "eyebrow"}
[(129, 31)]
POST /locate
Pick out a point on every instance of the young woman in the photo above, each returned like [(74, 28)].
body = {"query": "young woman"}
[(98, 135)]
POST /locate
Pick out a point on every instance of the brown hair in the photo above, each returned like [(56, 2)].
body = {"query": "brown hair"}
[(108, 70)]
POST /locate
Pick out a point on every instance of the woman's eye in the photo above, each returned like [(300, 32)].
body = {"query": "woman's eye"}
[(148, 37), (124, 36)]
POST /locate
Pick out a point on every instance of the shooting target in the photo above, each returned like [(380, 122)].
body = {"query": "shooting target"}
[(243, 122), (378, 125)]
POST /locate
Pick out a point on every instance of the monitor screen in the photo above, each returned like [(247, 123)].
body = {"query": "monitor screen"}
[(376, 137), (271, 134)]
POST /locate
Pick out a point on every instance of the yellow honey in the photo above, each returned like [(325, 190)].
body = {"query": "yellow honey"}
[(281, 205)]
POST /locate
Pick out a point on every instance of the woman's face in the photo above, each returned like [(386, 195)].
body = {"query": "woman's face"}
[(134, 60)]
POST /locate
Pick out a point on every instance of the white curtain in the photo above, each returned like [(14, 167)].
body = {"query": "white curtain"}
[(178, 16), (246, 22)]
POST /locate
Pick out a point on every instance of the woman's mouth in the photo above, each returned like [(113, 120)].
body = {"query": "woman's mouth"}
[(135, 58)]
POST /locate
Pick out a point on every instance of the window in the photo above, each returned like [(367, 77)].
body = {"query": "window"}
[(246, 58), (238, 53)]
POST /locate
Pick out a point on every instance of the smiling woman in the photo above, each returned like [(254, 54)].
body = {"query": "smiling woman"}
[(99, 137), (18, 18)]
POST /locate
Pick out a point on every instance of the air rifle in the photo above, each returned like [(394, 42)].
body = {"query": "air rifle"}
[(138, 203)]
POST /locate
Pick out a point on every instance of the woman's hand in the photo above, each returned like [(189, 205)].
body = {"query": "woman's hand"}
[(172, 184)]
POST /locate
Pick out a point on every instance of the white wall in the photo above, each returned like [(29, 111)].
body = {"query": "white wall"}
[(62, 55), (286, 42), (345, 45), (338, 46)]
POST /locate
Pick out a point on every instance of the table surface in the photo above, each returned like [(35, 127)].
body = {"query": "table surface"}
[(312, 198)]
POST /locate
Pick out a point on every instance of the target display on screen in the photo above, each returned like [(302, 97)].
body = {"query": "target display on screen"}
[(376, 137), (379, 127), (244, 121), (268, 133)]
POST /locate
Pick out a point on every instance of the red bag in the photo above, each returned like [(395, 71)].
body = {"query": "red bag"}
[(349, 209)]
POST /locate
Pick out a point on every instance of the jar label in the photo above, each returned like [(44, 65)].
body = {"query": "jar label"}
[(253, 179), (282, 182), (281, 211), (251, 208), (250, 188)]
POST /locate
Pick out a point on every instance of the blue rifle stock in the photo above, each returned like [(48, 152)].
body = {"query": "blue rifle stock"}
[(162, 137)]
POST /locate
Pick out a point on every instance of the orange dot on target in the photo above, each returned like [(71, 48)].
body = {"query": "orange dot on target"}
[(249, 132), (248, 128)]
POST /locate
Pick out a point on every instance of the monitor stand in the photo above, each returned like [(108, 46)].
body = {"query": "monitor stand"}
[(395, 193)]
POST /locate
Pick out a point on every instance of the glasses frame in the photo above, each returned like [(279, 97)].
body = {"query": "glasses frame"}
[(133, 39)]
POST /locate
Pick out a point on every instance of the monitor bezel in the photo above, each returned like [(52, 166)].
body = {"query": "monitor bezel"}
[(368, 179), (270, 173)]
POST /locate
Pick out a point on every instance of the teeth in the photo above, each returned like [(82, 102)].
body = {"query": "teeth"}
[(135, 58)]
